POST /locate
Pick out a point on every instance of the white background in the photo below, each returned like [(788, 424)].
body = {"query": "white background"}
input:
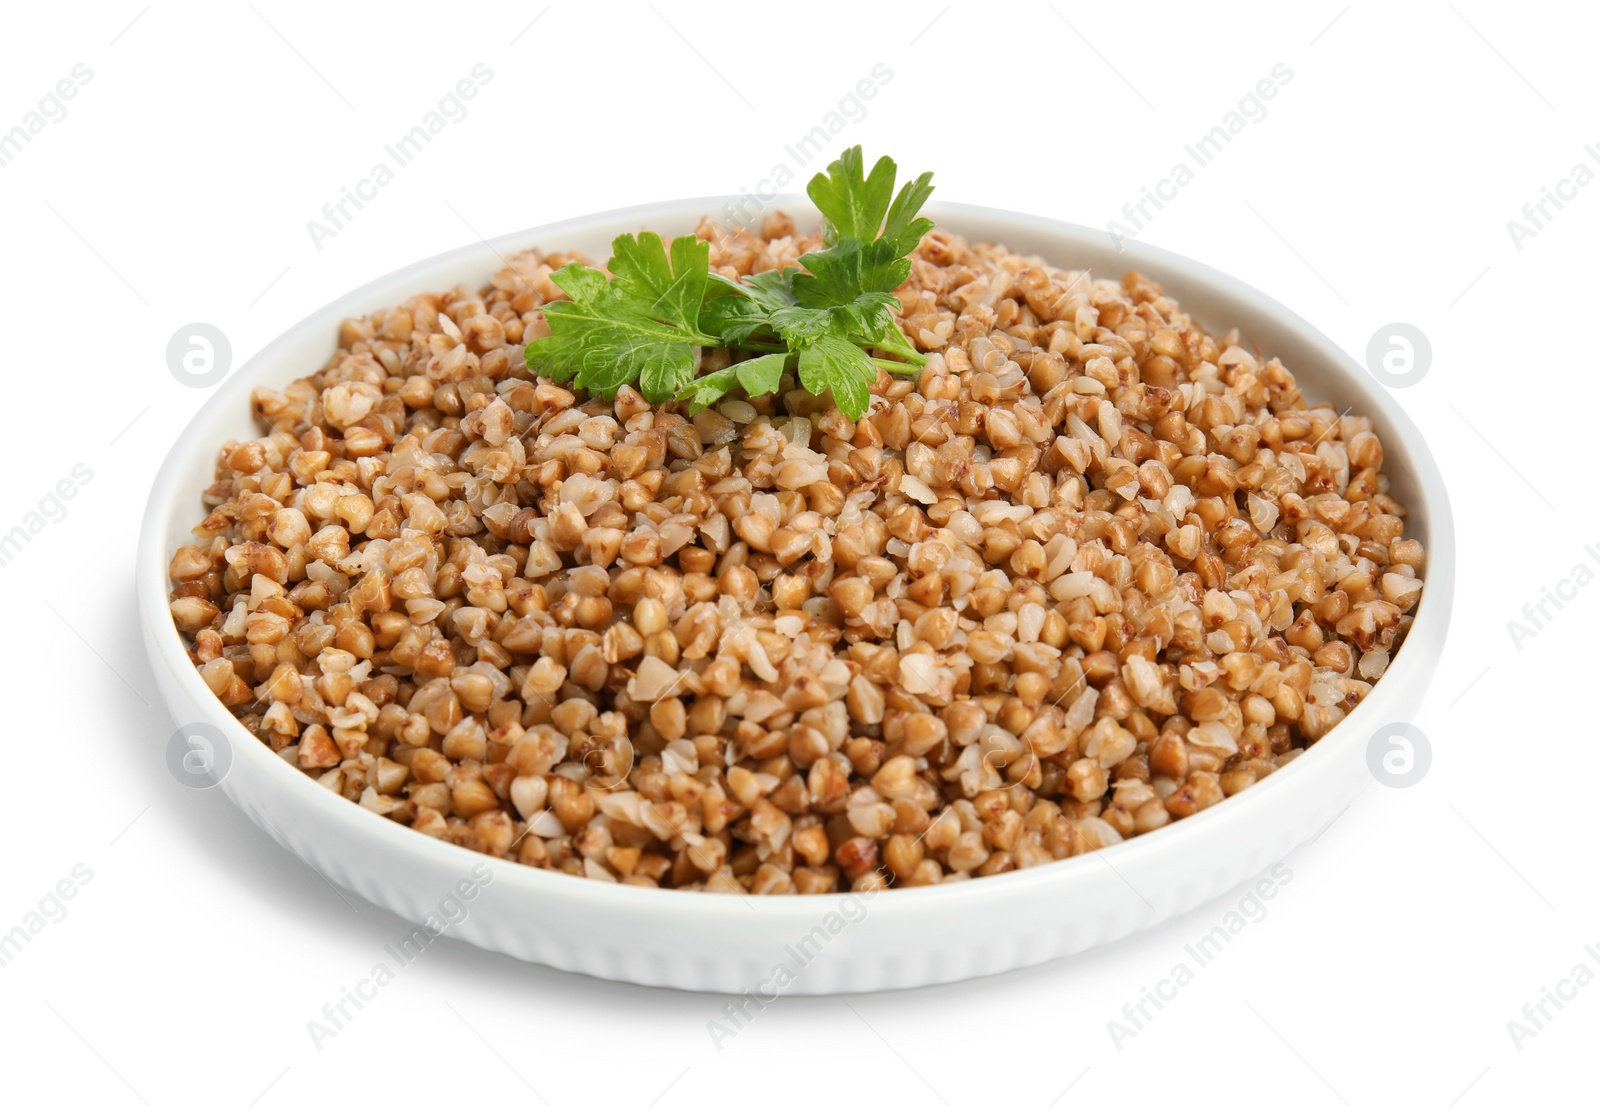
[(1377, 189)]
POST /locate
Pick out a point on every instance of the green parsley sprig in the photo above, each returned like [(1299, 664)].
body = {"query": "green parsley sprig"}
[(641, 326)]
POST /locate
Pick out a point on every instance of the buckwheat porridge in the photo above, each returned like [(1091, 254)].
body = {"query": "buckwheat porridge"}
[(1089, 571)]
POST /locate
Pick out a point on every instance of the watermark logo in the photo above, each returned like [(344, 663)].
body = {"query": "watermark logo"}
[(752, 204), (738, 1013), (1251, 109), (1249, 910), (52, 109), (51, 908), (1551, 1002), (199, 355), (198, 755), (1399, 355), (450, 911), (49, 510), (451, 109), (1399, 755), (609, 766), (1538, 614), (1537, 215)]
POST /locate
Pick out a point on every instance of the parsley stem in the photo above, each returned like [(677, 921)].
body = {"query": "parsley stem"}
[(895, 341), (896, 366)]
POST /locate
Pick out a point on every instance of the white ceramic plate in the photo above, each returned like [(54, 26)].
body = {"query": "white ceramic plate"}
[(807, 944)]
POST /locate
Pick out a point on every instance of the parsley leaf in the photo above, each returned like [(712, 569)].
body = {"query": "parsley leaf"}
[(640, 327), (706, 390), (600, 344), (733, 320), (856, 205), (832, 363), (761, 375), (847, 270), (858, 282), (669, 293), (771, 289), (853, 204), (799, 325), (900, 227)]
